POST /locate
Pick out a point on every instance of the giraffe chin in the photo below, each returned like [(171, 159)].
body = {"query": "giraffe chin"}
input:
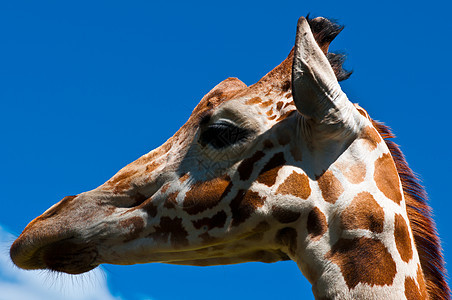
[(69, 257)]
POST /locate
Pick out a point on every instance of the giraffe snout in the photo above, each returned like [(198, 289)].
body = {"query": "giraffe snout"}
[(51, 241)]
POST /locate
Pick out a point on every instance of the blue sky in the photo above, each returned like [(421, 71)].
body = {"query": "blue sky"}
[(87, 87)]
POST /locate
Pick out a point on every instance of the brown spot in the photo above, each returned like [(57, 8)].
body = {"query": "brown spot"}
[(165, 188), (355, 173), (270, 112), (287, 237), (121, 181), (363, 213), (121, 176), (412, 291), (268, 144), (330, 186), (284, 215), (402, 238), (279, 105), (184, 177), (362, 112), (218, 220), (152, 166), (244, 204), (297, 185), (170, 201), (206, 194), (266, 103), (363, 260), (272, 117), (290, 102), (317, 224), (421, 282), (387, 178), (149, 207), (170, 230), (296, 153), (371, 137), (246, 166), (254, 100), (285, 115), (283, 138), (134, 225), (269, 172), (286, 85), (138, 198)]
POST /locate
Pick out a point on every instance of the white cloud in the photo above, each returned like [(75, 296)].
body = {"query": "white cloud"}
[(17, 284)]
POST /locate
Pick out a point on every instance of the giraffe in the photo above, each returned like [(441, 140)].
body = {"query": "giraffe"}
[(285, 169)]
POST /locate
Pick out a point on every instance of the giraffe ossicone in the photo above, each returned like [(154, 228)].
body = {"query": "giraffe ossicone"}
[(287, 168)]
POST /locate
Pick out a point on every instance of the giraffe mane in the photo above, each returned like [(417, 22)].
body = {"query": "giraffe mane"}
[(420, 215)]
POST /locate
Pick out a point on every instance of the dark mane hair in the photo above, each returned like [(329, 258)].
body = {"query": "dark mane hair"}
[(420, 215), (419, 212)]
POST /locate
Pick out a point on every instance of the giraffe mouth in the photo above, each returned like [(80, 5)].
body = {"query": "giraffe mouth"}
[(69, 257), (62, 256)]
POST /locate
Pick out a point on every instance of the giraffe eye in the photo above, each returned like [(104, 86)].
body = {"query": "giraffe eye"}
[(222, 134)]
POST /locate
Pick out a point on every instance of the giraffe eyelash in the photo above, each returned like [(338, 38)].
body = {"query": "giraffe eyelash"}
[(222, 134)]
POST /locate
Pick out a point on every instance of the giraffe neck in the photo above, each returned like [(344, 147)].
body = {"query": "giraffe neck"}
[(357, 239)]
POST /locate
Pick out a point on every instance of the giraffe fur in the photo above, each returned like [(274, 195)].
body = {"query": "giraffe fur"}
[(287, 168)]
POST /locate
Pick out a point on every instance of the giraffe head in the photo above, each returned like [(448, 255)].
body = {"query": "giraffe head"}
[(287, 168), (201, 198)]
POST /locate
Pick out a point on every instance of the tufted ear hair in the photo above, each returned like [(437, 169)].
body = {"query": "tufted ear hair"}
[(315, 88)]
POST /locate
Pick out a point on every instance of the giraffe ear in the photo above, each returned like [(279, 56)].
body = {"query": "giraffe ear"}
[(316, 91)]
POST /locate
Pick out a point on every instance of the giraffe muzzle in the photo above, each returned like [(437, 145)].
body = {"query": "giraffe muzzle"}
[(49, 242), (62, 256)]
